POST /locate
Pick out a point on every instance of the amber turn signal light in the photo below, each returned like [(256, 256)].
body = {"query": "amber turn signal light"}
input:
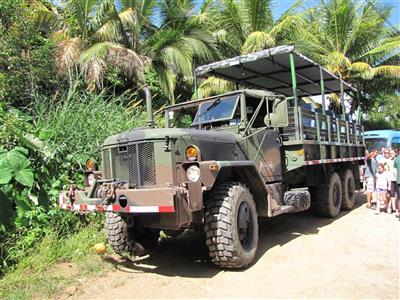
[(191, 153), (91, 165)]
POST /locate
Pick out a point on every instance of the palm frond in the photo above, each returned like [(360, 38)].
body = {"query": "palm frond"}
[(337, 62), (67, 53), (257, 14), (291, 11), (388, 71), (359, 67), (47, 21), (214, 86), (109, 31), (128, 17), (256, 41), (125, 60), (228, 16), (93, 72), (167, 79), (387, 47)]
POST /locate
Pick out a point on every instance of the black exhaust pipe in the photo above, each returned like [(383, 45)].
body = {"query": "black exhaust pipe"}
[(149, 107)]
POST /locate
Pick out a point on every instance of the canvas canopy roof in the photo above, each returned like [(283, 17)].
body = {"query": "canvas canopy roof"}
[(270, 70)]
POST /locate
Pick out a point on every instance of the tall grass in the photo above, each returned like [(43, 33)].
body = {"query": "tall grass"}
[(75, 125)]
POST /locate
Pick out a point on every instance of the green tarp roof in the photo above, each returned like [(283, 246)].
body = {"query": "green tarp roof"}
[(270, 70)]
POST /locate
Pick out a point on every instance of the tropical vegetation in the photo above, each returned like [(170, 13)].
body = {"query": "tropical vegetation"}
[(72, 73)]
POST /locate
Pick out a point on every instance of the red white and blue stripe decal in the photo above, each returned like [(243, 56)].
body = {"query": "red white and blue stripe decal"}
[(332, 160)]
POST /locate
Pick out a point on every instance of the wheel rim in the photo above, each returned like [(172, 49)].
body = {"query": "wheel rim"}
[(245, 225), (336, 195)]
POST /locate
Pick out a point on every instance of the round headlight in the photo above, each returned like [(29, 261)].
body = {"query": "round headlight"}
[(90, 179), (193, 173)]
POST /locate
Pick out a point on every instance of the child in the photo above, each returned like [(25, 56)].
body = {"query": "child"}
[(382, 187)]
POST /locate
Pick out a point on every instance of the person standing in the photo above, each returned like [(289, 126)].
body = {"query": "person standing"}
[(382, 187), (371, 167), (396, 166), (393, 181)]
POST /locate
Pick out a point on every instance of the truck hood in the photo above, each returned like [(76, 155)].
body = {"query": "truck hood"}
[(140, 134)]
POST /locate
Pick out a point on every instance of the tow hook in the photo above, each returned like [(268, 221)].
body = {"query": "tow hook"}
[(107, 190), (71, 193)]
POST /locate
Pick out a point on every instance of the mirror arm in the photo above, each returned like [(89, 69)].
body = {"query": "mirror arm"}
[(253, 117)]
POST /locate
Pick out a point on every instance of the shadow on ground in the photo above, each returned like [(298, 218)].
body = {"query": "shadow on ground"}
[(187, 255)]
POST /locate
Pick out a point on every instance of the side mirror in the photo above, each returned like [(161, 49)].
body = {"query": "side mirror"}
[(279, 115)]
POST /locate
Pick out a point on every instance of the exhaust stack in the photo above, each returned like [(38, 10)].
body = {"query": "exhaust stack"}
[(149, 107)]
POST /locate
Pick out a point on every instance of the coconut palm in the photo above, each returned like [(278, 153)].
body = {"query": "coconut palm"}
[(245, 26), (248, 25), (134, 36), (351, 39)]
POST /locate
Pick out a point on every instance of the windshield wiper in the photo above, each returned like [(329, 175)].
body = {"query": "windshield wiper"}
[(212, 106)]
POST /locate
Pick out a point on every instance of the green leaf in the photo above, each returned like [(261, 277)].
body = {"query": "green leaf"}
[(5, 175), (25, 177), (6, 211), (21, 150), (17, 160)]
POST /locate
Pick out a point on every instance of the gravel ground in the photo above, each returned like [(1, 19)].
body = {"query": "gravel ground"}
[(300, 256)]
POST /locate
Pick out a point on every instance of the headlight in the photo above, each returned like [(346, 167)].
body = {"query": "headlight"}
[(193, 173), (91, 179)]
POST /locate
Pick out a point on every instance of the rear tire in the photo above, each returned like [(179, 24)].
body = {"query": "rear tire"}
[(327, 197), (231, 225), (349, 190)]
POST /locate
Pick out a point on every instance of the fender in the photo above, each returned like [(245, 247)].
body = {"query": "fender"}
[(267, 196)]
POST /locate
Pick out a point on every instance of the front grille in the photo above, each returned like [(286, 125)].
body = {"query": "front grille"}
[(134, 163)]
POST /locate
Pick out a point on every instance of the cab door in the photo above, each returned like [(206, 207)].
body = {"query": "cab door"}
[(263, 146)]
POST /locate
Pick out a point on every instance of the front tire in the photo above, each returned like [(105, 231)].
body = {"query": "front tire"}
[(231, 225), (117, 230), (327, 197)]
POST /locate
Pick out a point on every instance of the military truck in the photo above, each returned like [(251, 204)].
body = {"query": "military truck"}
[(223, 162)]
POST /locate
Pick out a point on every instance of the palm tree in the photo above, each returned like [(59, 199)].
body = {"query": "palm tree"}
[(351, 39), (245, 26), (134, 36)]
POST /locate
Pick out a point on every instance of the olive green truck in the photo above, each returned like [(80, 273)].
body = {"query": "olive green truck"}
[(223, 162)]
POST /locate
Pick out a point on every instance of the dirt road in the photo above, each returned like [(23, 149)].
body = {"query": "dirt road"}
[(353, 256)]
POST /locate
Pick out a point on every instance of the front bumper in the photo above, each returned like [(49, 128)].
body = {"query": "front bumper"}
[(155, 200)]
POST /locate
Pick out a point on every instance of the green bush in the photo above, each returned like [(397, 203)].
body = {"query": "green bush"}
[(42, 150)]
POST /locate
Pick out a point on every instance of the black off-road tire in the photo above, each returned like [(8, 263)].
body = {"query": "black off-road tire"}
[(118, 233), (230, 246), (349, 190), (327, 197)]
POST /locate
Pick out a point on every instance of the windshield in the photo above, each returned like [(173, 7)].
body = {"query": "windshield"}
[(216, 110), (375, 143)]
